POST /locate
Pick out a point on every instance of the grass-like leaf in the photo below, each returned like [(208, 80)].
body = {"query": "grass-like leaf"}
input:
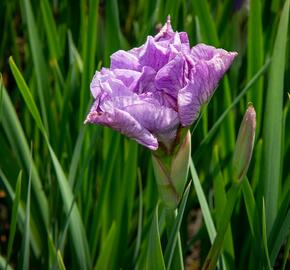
[(273, 121), (170, 248), (14, 215), (105, 258), (154, 258), (76, 226), (203, 203)]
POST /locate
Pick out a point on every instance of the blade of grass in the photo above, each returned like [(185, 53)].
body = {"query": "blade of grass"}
[(51, 32), (170, 248), (220, 200), (26, 94), (14, 215), (273, 121), (212, 257), (105, 258), (89, 52), (26, 240), (249, 202), (286, 253), (60, 262), (154, 258), (76, 225), (140, 219), (35, 238), (4, 264), (267, 263), (38, 60), (203, 203), (280, 228), (19, 145), (255, 57)]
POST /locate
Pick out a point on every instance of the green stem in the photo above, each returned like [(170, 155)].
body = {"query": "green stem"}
[(177, 260)]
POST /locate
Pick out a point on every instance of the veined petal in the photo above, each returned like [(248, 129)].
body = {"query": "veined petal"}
[(124, 123), (127, 76), (170, 78), (207, 68), (153, 55), (188, 104), (124, 60)]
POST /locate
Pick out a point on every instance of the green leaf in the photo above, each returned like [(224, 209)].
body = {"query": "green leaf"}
[(105, 259), (250, 203), (35, 238), (280, 229), (154, 258), (264, 235), (38, 60), (26, 240), (212, 257), (170, 248), (60, 262), (255, 56), (220, 200), (89, 52), (203, 203), (51, 32), (22, 86), (20, 147), (4, 264), (76, 225), (273, 121), (14, 215)]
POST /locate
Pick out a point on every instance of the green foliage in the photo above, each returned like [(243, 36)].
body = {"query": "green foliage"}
[(86, 197)]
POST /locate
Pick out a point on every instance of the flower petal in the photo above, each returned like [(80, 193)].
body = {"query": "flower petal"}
[(170, 78), (208, 66), (124, 123), (124, 60), (153, 55)]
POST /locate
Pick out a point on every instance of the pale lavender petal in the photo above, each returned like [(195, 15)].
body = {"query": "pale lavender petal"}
[(188, 104), (171, 78), (145, 83), (124, 123), (128, 77), (100, 76), (115, 87), (153, 55), (124, 60), (210, 66)]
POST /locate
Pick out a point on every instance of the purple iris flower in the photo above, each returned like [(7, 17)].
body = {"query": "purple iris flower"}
[(151, 92)]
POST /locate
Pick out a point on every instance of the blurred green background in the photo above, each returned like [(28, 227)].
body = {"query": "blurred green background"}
[(84, 197)]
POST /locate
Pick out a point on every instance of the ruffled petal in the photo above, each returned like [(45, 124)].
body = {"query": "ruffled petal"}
[(153, 55), (171, 78), (99, 77), (124, 123), (188, 104), (125, 60), (208, 67)]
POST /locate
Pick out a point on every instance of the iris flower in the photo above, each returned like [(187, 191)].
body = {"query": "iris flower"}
[(151, 92)]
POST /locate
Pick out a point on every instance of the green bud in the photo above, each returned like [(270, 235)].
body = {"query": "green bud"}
[(171, 173), (245, 143)]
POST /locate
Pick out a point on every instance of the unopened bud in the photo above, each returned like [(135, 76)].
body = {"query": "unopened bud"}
[(245, 143), (171, 173)]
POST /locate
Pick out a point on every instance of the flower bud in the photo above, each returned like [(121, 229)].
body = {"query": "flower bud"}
[(171, 173), (245, 143)]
